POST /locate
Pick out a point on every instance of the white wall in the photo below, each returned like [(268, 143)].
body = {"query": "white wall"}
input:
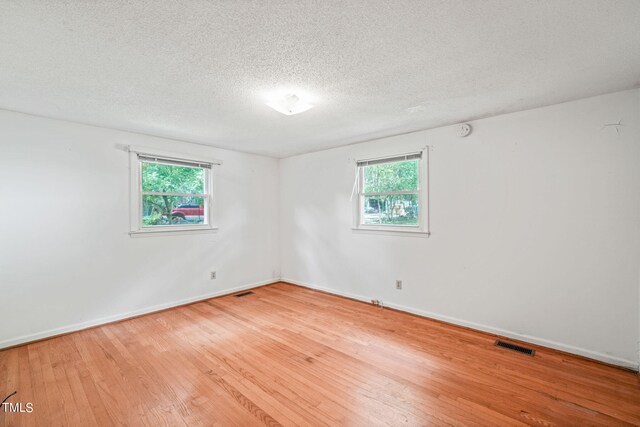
[(66, 259), (534, 219)]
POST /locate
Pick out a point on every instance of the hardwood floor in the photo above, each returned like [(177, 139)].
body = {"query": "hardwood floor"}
[(292, 356)]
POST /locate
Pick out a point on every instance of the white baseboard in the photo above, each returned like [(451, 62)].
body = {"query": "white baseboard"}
[(628, 364), (122, 316)]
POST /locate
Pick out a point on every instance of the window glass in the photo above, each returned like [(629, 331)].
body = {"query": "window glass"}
[(390, 194), (181, 210), (387, 177), (399, 209), (173, 195), (166, 178)]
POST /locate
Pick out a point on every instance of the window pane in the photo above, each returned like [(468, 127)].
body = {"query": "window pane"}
[(387, 177), (400, 209), (162, 178), (172, 210)]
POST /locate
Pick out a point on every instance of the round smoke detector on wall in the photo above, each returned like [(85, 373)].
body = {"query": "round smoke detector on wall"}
[(464, 130)]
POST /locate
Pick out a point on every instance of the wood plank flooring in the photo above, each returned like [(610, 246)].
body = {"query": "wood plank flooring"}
[(292, 356)]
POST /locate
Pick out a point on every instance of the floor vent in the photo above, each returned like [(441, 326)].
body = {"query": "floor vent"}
[(244, 294), (514, 347)]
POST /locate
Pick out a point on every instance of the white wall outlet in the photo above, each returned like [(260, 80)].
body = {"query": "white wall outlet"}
[(213, 275), (398, 284)]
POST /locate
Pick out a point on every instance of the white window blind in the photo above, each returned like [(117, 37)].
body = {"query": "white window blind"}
[(179, 162), (402, 158)]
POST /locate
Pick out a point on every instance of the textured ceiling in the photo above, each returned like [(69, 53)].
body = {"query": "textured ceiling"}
[(198, 70)]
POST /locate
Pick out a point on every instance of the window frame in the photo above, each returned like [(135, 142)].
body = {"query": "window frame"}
[(422, 226), (137, 228)]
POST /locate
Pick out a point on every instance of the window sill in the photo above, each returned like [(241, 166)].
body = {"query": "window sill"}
[(172, 232), (392, 231)]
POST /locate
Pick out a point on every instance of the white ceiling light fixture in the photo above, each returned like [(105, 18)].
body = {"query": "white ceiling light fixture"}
[(289, 104)]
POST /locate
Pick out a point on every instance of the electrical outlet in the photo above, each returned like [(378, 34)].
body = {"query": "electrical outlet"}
[(398, 284), (213, 275)]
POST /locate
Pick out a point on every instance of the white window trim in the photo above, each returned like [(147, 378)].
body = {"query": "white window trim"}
[(420, 230), (135, 194)]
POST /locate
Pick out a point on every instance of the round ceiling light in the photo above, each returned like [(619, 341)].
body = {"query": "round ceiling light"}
[(289, 104)]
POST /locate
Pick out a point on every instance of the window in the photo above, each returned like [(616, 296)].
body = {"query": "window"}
[(390, 194), (170, 193)]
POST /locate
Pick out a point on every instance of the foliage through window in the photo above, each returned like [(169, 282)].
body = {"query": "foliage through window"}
[(389, 192), (173, 193)]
